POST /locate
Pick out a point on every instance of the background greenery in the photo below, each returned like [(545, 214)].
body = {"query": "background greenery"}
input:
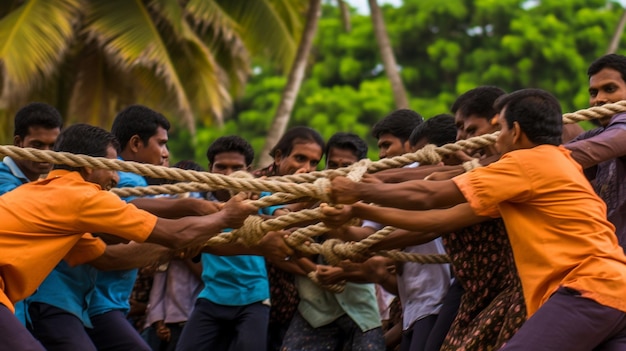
[(444, 48)]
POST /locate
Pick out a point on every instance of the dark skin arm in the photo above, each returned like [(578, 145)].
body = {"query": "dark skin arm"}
[(272, 246), (413, 195), (131, 255), (402, 238), (432, 221), (399, 175), (195, 230), (176, 208)]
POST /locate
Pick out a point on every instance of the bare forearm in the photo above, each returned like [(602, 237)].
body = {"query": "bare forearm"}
[(187, 231), (398, 175), (402, 238), (411, 195), (432, 221), (174, 208), (597, 149), (131, 255)]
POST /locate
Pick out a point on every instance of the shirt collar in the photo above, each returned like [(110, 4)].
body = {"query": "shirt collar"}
[(15, 169)]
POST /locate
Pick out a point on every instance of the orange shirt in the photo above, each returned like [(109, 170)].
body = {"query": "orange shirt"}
[(42, 222), (556, 224)]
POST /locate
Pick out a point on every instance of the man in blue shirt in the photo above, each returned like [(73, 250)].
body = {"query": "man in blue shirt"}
[(37, 126), (233, 308)]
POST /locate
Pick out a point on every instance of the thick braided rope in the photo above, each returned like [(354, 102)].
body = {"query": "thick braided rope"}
[(223, 182), (429, 154), (336, 251)]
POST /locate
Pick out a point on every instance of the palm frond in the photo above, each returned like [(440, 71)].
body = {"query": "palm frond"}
[(133, 40), (267, 29), (35, 36)]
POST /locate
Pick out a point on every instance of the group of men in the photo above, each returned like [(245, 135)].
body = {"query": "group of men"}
[(536, 245)]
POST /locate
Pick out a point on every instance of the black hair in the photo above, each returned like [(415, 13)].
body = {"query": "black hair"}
[(438, 130), (189, 164), (231, 143), (478, 101), (538, 113), (84, 139), (347, 141), (36, 114), (137, 120), (613, 61), (296, 135), (399, 123)]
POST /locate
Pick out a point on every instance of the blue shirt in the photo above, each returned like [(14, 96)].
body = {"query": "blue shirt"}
[(113, 288), (234, 280), (68, 288), (11, 176)]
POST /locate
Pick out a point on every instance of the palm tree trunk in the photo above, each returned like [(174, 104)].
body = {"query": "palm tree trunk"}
[(294, 80), (345, 16), (617, 35), (386, 53)]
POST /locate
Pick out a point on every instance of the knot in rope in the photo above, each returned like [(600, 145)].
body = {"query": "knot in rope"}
[(471, 164), (334, 288), (251, 231), (322, 185), (331, 251), (430, 155), (358, 169)]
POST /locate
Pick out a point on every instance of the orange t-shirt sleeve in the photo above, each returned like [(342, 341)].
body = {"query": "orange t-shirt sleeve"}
[(104, 212), (486, 187), (86, 249)]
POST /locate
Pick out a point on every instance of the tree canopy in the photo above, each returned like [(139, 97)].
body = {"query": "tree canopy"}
[(443, 48)]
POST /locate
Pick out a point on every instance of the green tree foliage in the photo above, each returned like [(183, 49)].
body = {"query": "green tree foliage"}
[(186, 58), (444, 48)]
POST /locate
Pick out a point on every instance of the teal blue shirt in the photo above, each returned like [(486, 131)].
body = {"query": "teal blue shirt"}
[(68, 288), (234, 280), (11, 176)]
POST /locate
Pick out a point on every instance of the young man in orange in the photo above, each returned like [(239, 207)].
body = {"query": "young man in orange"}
[(46, 221), (572, 269)]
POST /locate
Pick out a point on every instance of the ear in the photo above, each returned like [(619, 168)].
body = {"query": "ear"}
[(406, 146), (134, 143), (517, 133), (278, 156), (17, 141), (86, 172)]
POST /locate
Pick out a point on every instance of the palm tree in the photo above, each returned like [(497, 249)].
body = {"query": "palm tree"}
[(386, 54), (89, 58), (294, 80), (617, 35)]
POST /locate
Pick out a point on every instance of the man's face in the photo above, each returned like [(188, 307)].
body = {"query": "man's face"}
[(606, 86), (155, 151), (304, 158), (107, 179), (228, 162), (475, 126), (338, 158), (37, 138), (391, 146), (459, 122)]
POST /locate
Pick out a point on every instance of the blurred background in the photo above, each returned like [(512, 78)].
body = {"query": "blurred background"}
[(256, 67)]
